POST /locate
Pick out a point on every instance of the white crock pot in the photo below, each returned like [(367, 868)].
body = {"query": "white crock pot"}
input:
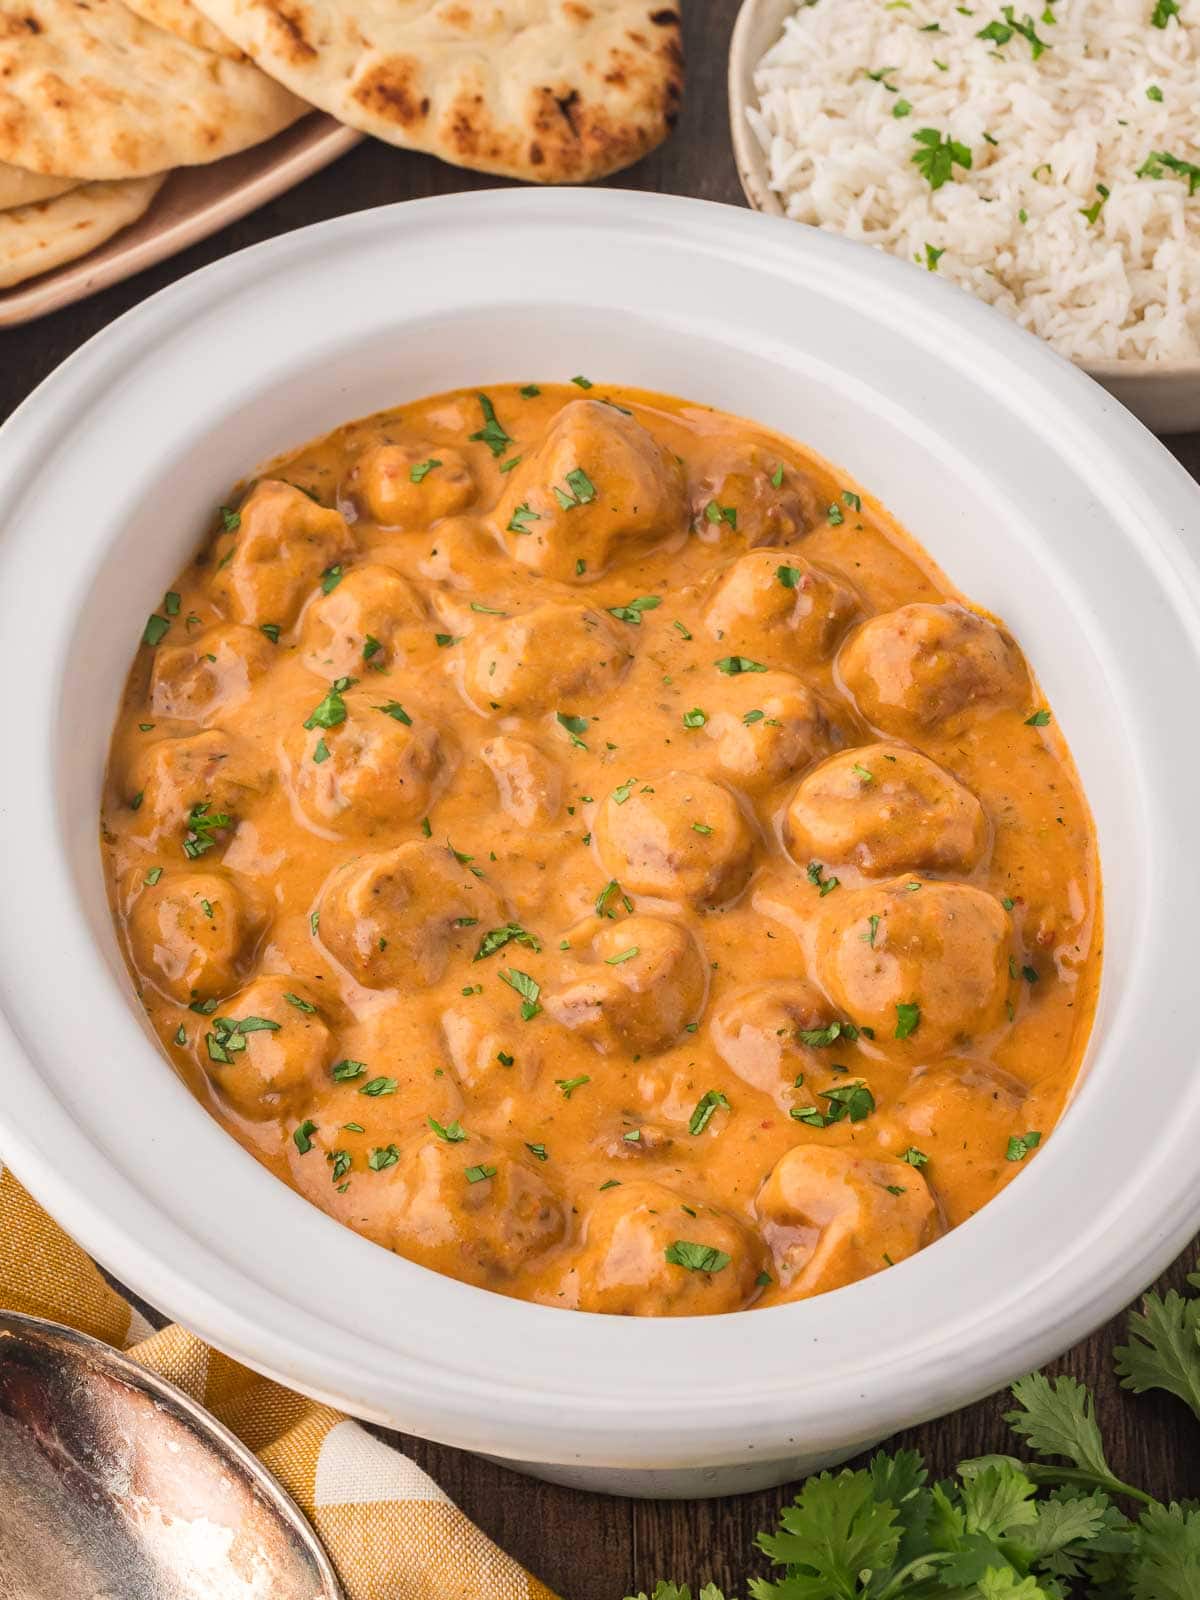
[(1045, 500)]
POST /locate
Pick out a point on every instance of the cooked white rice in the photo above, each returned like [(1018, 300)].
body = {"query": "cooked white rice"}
[(1083, 116)]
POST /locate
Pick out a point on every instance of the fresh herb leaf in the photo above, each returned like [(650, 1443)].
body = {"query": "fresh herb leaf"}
[(510, 933), (908, 1019), (528, 988), (696, 1257), (706, 1107), (492, 433), (731, 666), (938, 155)]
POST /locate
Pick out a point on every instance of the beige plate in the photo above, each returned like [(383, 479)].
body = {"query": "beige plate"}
[(1165, 395), (194, 202)]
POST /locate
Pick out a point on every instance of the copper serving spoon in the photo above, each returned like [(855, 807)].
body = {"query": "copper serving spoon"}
[(114, 1485)]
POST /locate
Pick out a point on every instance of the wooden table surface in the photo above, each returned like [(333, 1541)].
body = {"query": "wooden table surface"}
[(589, 1547)]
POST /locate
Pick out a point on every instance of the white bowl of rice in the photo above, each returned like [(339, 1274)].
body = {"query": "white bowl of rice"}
[(1046, 161)]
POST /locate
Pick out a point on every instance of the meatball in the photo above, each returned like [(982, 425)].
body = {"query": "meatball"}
[(411, 485), (368, 772), (884, 808), (598, 489), (196, 680), (191, 935), (462, 554), (394, 917), (777, 609), (543, 660), (965, 1111), (679, 837), (361, 623), (831, 1216), (923, 668), (921, 962), (528, 784), (285, 543), (757, 1033), (769, 725), (650, 1252), (267, 1048), (646, 982), (750, 492), (468, 1208), (202, 777), (490, 1050)]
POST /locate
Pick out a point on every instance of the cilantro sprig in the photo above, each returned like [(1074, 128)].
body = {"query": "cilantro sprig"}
[(1059, 1526)]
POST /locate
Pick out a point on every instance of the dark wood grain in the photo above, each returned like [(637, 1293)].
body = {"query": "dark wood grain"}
[(586, 1546)]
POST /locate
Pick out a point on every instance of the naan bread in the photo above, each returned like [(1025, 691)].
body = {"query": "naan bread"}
[(87, 87), (557, 91), (35, 238), (181, 18), (21, 188)]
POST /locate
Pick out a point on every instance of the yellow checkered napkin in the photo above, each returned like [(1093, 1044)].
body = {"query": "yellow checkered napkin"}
[(389, 1530)]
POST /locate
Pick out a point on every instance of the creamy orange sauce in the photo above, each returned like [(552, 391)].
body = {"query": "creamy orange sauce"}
[(580, 842)]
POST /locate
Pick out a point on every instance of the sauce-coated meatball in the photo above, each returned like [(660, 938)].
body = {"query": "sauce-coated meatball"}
[(394, 917), (831, 1216), (470, 1208), (769, 725), (748, 493), (942, 948), (650, 1252), (397, 485), (528, 784), (199, 678), (211, 769), (677, 837), (543, 660), (191, 935), (267, 1047), (599, 489), (370, 771), (269, 566), (918, 670), (646, 982), (883, 808), (776, 608), (359, 626), (757, 1033), (961, 1114)]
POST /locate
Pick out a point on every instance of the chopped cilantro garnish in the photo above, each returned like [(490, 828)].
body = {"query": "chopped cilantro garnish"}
[(632, 613), (452, 1133), (696, 1257), (706, 1108), (522, 517), (908, 1019), (511, 933), (574, 726), (731, 666), (528, 988), (492, 433), (203, 826), (625, 955), (569, 1085), (580, 490), (938, 156), (1020, 1144)]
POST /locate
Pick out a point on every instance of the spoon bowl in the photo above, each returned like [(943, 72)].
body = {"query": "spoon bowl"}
[(118, 1486)]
